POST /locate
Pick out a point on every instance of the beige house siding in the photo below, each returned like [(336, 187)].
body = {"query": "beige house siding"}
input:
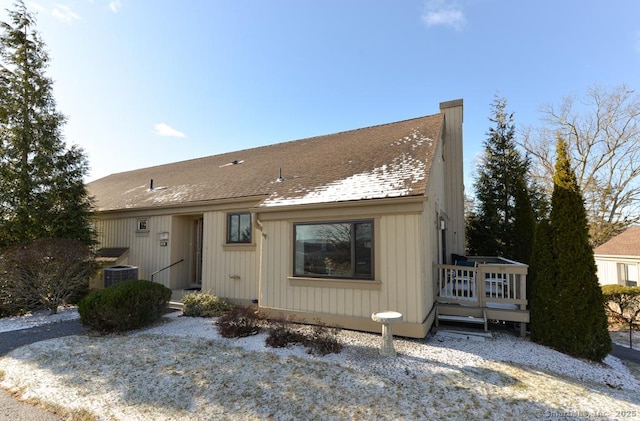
[(400, 278), (229, 271), (145, 251)]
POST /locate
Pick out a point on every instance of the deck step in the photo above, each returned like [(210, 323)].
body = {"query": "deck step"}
[(463, 319)]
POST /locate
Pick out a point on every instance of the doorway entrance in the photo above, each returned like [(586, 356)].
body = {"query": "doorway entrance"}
[(198, 233)]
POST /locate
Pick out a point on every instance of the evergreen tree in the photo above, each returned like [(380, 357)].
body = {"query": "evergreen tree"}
[(581, 324), (502, 223), (523, 224), (542, 286), (42, 192)]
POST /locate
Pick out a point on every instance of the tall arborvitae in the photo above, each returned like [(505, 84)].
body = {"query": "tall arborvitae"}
[(581, 326), (542, 286), (42, 192), (494, 227), (523, 225)]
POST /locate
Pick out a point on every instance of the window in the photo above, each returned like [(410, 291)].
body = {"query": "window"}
[(628, 274), (239, 228), (142, 225), (334, 250)]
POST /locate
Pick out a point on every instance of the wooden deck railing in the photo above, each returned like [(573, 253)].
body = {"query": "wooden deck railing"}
[(494, 282)]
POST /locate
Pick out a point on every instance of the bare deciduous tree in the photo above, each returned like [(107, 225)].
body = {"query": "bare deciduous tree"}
[(602, 131), (46, 273)]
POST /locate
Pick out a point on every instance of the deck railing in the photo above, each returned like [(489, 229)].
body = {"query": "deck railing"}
[(493, 282)]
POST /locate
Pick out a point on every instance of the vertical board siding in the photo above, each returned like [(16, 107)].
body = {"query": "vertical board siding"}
[(399, 257), (228, 273), (144, 248)]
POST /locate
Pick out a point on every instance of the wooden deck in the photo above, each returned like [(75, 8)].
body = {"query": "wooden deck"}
[(495, 289)]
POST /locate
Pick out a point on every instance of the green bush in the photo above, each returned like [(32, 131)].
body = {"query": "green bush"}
[(204, 304), (124, 306)]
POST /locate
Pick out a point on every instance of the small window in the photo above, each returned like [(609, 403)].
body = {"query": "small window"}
[(142, 225), (334, 250), (239, 228)]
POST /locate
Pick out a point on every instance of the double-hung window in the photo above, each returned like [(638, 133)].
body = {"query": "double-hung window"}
[(334, 249), (239, 228)]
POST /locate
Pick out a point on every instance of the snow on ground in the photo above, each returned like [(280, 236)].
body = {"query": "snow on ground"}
[(182, 369), (37, 318)]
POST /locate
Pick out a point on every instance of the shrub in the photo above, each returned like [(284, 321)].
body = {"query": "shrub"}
[(45, 274), (282, 335), (124, 306), (318, 339), (239, 322), (622, 304), (246, 321), (204, 304)]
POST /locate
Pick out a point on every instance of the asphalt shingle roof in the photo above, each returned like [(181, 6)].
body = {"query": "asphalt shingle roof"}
[(388, 160), (625, 244)]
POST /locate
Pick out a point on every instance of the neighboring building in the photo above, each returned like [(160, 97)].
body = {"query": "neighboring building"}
[(618, 259), (330, 228)]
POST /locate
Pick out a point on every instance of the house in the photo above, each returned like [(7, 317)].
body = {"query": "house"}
[(618, 259), (329, 228)]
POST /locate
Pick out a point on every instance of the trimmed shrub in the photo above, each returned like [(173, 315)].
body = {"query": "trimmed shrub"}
[(204, 304), (239, 322), (124, 306), (622, 305)]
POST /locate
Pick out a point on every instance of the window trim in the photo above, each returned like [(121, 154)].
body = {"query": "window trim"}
[(228, 236), (333, 277)]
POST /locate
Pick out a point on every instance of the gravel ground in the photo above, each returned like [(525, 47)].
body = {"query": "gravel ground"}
[(183, 370)]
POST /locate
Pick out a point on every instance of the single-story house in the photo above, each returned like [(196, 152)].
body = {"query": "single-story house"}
[(329, 228), (618, 259)]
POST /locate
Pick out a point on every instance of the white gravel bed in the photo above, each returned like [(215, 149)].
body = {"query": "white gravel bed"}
[(183, 370)]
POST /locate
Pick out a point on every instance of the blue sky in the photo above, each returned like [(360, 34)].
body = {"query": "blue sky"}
[(146, 82)]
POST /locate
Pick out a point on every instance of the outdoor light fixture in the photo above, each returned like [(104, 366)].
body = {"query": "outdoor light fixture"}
[(164, 238)]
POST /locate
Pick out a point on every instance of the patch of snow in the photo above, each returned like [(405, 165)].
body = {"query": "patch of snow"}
[(38, 318), (392, 180)]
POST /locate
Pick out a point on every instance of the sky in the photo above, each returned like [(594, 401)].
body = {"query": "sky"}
[(148, 82)]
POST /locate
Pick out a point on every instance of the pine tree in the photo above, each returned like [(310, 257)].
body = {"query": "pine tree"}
[(581, 325), (504, 210), (42, 192)]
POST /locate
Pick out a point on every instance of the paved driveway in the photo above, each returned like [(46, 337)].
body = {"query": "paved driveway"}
[(12, 409)]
